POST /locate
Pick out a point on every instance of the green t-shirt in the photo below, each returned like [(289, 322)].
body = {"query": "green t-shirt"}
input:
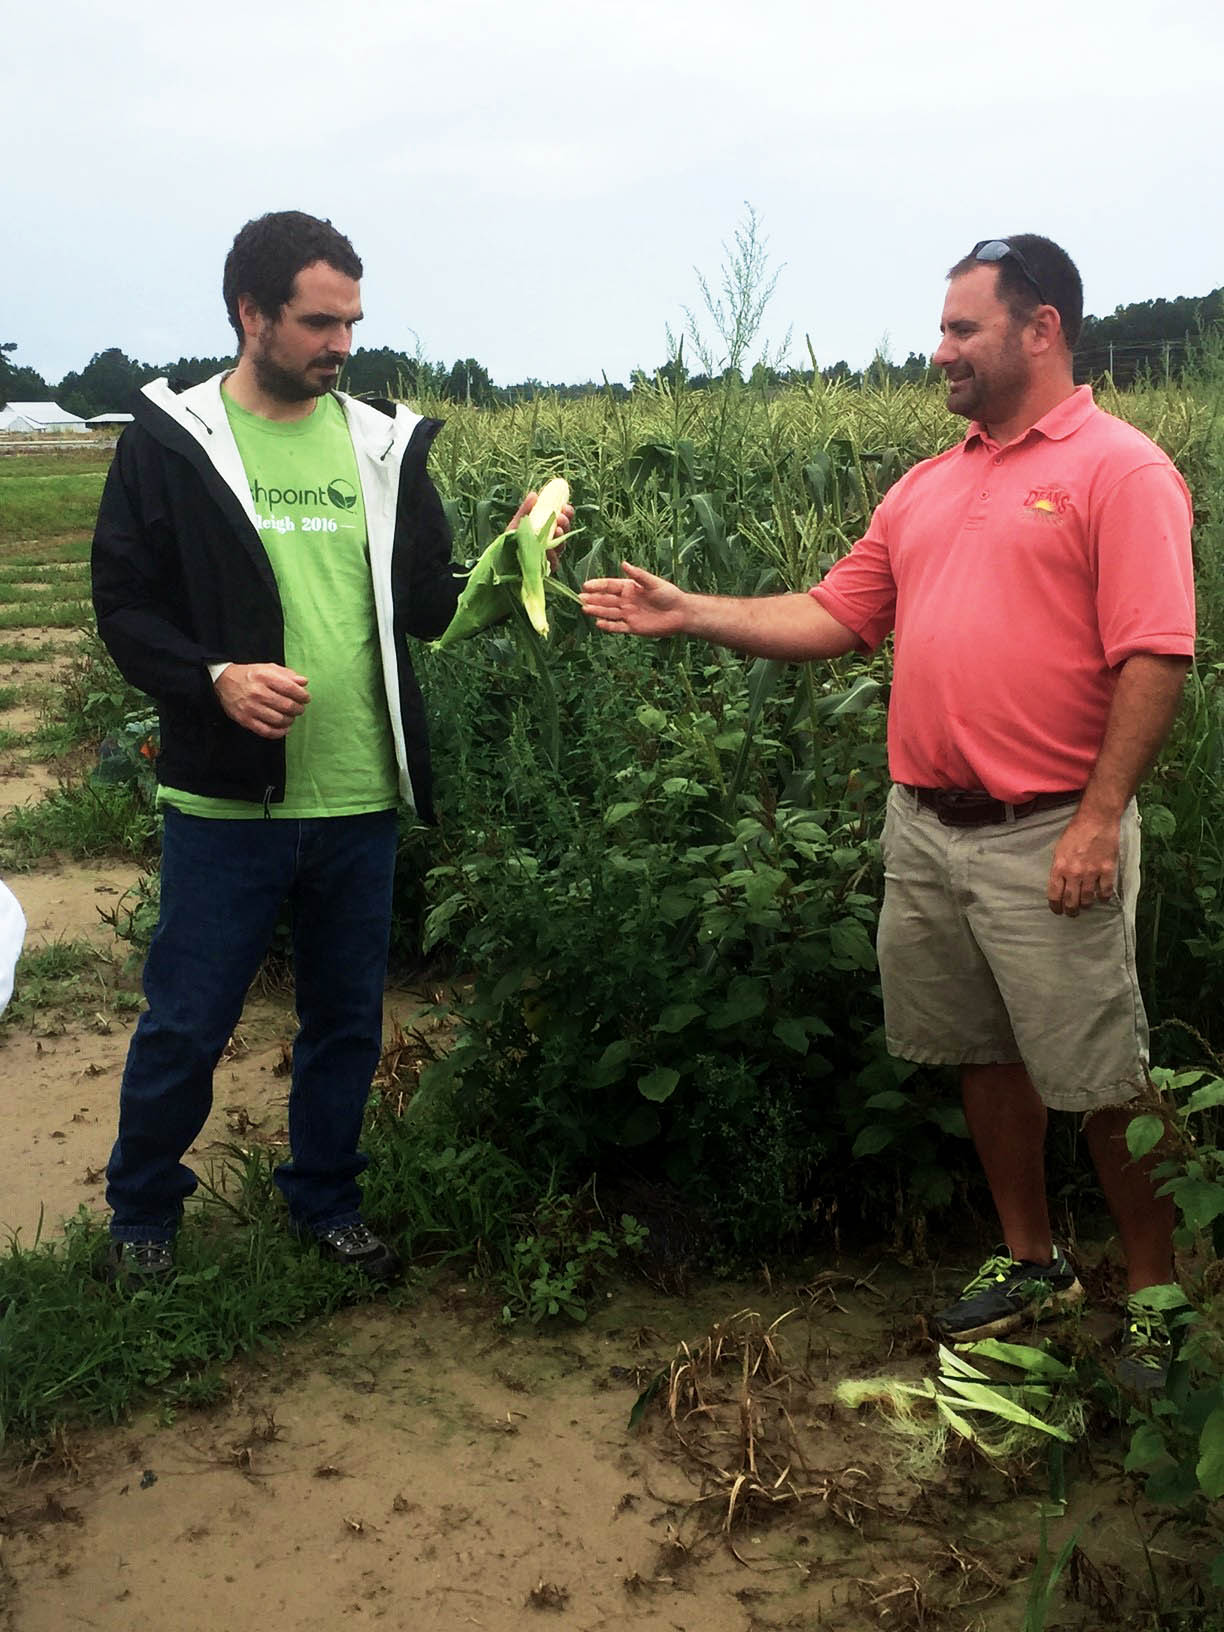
[(340, 758)]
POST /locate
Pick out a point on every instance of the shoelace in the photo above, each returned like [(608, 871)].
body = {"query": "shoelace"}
[(350, 1238), (146, 1253), (1146, 1332), (994, 1269)]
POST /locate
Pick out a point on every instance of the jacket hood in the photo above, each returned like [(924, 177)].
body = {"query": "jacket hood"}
[(382, 430)]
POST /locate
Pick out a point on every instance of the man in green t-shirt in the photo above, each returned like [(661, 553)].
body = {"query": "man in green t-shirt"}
[(265, 547)]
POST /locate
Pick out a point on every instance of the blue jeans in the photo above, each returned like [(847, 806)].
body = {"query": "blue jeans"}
[(222, 886)]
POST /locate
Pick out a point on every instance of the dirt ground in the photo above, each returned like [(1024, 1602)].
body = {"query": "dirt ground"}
[(412, 1462)]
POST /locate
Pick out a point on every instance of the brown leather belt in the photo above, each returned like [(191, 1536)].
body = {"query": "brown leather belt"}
[(974, 807)]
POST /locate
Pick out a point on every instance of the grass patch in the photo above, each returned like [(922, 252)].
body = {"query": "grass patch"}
[(63, 982), (34, 505), (57, 551), (81, 821), (51, 579), (52, 613), (78, 1350), (16, 651), (69, 461)]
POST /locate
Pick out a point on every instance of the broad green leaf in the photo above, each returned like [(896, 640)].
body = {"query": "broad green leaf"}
[(745, 1001), (1204, 1098), (1144, 1134), (1167, 1296), (873, 1139), (1037, 1362), (1159, 822), (1200, 1200), (677, 1015), (1210, 1469), (850, 943), (949, 1119), (887, 1100), (505, 986), (793, 1033), (610, 1066), (617, 813), (659, 1085)]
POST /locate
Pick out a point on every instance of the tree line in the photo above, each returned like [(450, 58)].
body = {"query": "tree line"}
[(1149, 336)]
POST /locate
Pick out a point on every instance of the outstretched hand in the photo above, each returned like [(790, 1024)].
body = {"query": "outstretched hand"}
[(637, 604), (565, 520)]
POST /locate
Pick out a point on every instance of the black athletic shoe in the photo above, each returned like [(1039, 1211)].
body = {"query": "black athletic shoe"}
[(1007, 1293), (1147, 1343), (136, 1265), (357, 1247)]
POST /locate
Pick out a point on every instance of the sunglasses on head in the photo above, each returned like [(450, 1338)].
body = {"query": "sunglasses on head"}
[(998, 249)]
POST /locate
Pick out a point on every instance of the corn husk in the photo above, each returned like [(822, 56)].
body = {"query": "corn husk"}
[(512, 568)]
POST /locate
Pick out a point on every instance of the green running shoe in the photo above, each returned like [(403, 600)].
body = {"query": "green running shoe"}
[(1147, 1343)]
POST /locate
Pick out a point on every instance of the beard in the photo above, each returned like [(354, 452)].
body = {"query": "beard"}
[(289, 384), (994, 395)]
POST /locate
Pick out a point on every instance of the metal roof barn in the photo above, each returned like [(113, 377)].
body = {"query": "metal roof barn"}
[(38, 416)]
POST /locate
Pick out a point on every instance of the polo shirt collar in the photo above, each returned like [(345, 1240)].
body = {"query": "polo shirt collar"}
[(1061, 421)]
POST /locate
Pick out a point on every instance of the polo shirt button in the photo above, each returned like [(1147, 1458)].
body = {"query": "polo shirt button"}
[(998, 458), (984, 494)]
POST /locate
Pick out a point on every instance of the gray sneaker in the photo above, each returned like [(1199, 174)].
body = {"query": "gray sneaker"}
[(137, 1265), (357, 1247), (1007, 1293)]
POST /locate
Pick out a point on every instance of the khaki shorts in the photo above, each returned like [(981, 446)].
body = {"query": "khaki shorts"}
[(977, 970)]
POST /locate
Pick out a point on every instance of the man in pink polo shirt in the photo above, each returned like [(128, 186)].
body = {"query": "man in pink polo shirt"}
[(1037, 578)]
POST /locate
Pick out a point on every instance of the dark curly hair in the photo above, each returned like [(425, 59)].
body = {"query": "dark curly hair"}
[(1043, 266), (268, 254)]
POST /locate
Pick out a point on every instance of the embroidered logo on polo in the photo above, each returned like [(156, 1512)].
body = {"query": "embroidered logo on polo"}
[(1048, 504)]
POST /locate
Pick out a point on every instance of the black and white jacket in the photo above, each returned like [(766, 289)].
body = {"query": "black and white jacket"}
[(181, 581)]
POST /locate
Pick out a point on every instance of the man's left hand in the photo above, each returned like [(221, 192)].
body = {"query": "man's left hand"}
[(564, 522), (1085, 866)]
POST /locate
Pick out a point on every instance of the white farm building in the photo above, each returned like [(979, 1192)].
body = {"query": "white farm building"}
[(38, 416)]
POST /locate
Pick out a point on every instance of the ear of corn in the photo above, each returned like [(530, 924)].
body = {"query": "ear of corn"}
[(534, 535), (514, 561)]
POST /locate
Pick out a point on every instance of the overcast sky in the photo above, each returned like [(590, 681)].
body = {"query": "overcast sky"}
[(533, 182)]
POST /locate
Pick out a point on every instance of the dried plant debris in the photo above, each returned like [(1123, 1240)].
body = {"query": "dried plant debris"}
[(405, 1055), (728, 1404), (548, 1595)]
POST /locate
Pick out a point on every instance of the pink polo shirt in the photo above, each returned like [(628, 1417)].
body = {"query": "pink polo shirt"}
[(1018, 579)]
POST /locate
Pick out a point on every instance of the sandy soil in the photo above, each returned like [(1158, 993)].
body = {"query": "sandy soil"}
[(413, 1463), (420, 1468), (62, 1089)]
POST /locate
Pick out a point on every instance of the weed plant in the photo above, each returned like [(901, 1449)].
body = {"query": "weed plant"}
[(81, 820), (62, 981), (660, 868), (78, 1350)]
